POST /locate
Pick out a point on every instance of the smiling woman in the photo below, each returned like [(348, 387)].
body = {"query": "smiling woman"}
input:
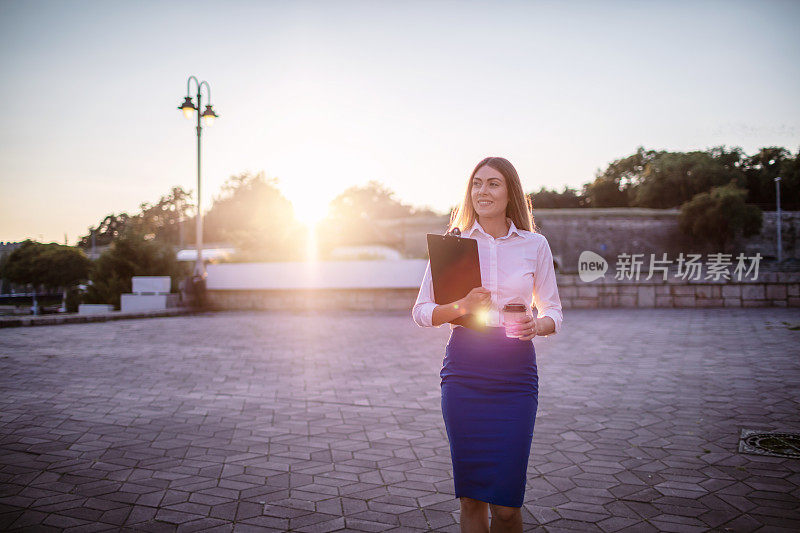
[(489, 377)]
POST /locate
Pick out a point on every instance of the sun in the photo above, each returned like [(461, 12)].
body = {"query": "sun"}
[(309, 211)]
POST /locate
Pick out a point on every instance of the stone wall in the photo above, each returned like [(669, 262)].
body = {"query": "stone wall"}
[(615, 231), (772, 289), (610, 232)]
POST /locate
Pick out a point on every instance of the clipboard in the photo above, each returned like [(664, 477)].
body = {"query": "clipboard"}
[(455, 270)]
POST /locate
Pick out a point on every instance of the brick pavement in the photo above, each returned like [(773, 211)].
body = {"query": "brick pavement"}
[(317, 422)]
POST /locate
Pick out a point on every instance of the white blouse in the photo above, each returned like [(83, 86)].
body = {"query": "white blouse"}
[(517, 267)]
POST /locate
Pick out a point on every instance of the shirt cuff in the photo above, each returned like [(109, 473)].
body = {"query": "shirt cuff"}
[(557, 318), (425, 315)]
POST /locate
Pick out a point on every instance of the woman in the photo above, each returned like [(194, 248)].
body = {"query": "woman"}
[(489, 379)]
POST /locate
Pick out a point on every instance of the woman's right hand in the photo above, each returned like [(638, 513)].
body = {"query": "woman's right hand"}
[(477, 299)]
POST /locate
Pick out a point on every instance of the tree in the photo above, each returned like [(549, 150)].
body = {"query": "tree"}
[(352, 213), (111, 227), (130, 255), (66, 266), (719, 215), (614, 186), (552, 199), (423, 211), (760, 171), (668, 179), (253, 215), (367, 202), (790, 182), (52, 266), (671, 179), (160, 221), (25, 265)]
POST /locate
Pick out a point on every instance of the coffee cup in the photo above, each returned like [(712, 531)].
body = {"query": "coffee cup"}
[(514, 313)]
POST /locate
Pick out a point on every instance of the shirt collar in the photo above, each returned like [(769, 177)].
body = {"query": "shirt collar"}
[(512, 229)]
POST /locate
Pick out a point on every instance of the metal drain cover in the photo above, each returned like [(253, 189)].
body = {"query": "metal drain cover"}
[(774, 443)]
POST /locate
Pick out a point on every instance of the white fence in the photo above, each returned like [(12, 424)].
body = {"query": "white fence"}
[(394, 274)]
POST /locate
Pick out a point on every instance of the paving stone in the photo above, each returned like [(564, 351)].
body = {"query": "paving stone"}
[(269, 421), (28, 519), (248, 510), (175, 517), (204, 524), (334, 524), (62, 521), (365, 525), (140, 514), (564, 524), (151, 526), (310, 519), (616, 523), (82, 513), (116, 517), (92, 527), (677, 528)]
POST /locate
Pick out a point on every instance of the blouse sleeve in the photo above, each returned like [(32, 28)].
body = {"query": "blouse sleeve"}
[(424, 306), (545, 290)]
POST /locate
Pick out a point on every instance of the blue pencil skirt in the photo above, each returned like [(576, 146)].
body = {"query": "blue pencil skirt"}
[(490, 393)]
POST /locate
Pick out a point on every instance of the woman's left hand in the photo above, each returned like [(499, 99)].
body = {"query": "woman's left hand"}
[(527, 328)]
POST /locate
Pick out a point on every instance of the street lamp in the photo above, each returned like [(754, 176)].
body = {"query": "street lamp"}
[(778, 223), (208, 117)]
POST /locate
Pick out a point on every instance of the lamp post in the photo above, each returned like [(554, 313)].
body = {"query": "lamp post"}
[(208, 117), (778, 223)]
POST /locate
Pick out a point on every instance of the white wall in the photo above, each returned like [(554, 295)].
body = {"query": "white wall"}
[(396, 274)]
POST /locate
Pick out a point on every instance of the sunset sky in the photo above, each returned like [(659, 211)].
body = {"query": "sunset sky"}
[(325, 95)]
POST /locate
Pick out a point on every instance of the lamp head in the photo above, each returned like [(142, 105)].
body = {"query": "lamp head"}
[(209, 115), (187, 107)]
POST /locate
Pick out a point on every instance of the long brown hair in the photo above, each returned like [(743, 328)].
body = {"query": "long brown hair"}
[(519, 208)]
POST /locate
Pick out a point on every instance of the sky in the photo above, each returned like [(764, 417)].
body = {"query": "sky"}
[(330, 94)]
